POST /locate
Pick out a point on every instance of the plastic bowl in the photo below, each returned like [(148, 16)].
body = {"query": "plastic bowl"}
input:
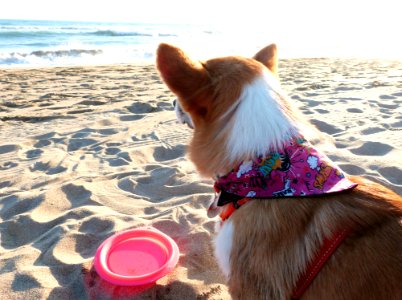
[(136, 257)]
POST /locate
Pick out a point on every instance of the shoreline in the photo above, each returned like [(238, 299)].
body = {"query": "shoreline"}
[(390, 60), (40, 67)]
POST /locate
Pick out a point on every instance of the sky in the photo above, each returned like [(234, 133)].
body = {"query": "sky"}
[(372, 26), (333, 13)]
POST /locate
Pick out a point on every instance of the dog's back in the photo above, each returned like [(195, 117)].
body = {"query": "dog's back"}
[(368, 264)]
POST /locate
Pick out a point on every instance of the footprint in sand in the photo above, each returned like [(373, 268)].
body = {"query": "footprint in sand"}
[(46, 136), (166, 105), (14, 206), (161, 184), (75, 247), (4, 184), (26, 281), (8, 165), (129, 118), (372, 149), (108, 131), (95, 225), (120, 159), (306, 111), (34, 153), (141, 108), (22, 229), (372, 130), (75, 144), (322, 111), (392, 174), (79, 111), (49, 168), (325, 127), (388, 106), (77, 194), (352, 169), (118, 162), (342, 88), (113, 144), (8, 148), (396, 125), (42, 143), (341, 145), (163, 153), (112, 150), (93, 102), (387, 97), (354, 110), (124, 155), (312, 103), (83, 133)]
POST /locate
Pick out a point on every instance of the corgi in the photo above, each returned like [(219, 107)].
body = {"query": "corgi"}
[(293, 226)]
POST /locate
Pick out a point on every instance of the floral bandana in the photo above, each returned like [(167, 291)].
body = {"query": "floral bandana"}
[(295, 171)]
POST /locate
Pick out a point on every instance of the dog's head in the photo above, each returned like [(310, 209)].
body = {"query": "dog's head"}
[(235, 105)]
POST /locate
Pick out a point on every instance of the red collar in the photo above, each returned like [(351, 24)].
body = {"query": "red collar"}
[(230, 208), (328, 247)]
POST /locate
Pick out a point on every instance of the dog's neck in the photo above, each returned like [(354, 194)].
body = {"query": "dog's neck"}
[(260, 121)]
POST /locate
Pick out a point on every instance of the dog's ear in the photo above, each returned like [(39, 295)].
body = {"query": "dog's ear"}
[(268, 57), (185, 77)]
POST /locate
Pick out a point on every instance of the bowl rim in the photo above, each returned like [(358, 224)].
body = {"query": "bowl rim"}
[(161, 239)]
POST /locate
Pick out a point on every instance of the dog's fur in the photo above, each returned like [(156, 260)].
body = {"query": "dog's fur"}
[(239, 111)]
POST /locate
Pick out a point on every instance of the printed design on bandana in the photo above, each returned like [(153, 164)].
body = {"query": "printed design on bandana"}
[(297, 170)]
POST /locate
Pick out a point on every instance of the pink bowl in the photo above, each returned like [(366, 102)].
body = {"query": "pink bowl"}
[(136, 257)]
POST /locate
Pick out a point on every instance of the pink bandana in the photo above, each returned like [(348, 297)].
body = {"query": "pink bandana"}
[(295, 171)]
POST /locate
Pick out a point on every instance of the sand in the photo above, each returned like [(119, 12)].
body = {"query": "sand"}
[(89, 151)]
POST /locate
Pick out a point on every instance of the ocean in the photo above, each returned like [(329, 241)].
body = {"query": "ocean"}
[(26, 43)]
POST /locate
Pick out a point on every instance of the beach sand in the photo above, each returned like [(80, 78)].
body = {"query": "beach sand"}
[(89, 151)]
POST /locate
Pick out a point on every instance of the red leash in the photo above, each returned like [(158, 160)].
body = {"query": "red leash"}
[(327, 249)]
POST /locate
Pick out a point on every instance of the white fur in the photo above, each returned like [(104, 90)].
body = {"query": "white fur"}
[(260, 122), (223, 247), (182, 116)]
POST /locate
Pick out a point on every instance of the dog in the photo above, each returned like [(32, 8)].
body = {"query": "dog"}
[(293, 226)]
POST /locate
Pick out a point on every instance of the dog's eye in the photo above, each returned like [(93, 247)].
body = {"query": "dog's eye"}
[(174, 103)]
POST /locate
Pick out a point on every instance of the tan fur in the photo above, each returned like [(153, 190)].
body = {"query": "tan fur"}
[(199, 88), (268, 56), (275, 239)]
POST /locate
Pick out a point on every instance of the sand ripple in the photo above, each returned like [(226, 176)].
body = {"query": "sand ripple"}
[(87, 152)]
